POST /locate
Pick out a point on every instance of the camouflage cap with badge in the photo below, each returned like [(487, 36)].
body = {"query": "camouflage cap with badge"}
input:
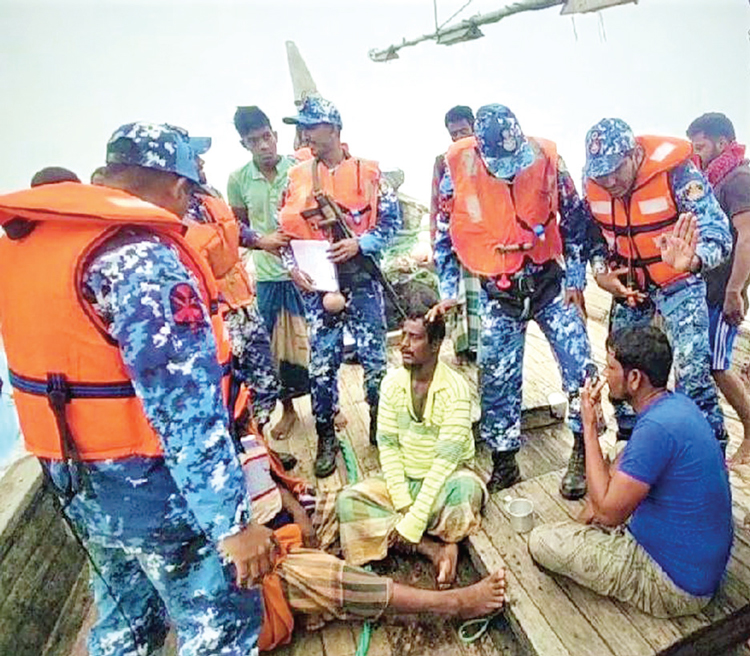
[(502, 144), (158, 146), (608, 143), (315, 111)]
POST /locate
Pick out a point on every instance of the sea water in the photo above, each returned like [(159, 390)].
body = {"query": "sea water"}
[(10, 434)]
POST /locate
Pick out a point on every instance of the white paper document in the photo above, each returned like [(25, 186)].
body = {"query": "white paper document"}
[(312, 258)]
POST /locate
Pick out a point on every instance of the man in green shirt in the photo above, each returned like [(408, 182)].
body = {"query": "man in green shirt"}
[(254, 192), (427, 498)]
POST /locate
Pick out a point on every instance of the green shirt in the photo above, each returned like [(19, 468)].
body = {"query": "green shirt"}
[(429, 450), (248, 188)]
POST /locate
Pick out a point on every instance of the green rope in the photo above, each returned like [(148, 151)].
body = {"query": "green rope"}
[(350, 462)]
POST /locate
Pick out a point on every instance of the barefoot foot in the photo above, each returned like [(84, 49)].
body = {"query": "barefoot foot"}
[(339, 421), (741, 456), (443, 556), (480, 599), (284, 426)]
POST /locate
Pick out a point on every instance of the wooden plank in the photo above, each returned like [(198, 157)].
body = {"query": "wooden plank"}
[(338, 639), (71, 618), (19, 487), (25, 540), (23, 628), (573, 629), (527, 621), (307, 643), (379, 644)]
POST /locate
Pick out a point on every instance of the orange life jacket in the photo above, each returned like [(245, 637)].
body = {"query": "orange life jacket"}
[(219, 243), (353, 184), (53, 338), (631, 224), (497, 225), (303, 154)]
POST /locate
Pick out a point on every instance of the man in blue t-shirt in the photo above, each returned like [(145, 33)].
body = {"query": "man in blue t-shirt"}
[(658, 524)]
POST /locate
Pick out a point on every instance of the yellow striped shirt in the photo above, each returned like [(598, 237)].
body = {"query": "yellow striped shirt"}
[(429, 450)]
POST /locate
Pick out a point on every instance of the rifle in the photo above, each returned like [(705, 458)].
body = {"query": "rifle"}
[(333, 218)]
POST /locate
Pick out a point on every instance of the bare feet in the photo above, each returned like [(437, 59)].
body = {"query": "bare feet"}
[(284, 426), (480, 599), (443, 556), (741, 456), (339, 421)]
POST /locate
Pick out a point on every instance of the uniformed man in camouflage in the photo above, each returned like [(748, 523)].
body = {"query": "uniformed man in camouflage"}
[(155, 526), (503, 160), (371, 208), (641, 190)]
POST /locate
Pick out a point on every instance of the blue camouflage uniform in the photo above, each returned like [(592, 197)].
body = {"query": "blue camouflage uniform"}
[(502, 338), (152, 525), (681, 304), (251, 346), (364, 315)]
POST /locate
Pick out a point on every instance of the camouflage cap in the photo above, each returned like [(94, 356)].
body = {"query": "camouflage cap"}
[(157, 146), (314, 111), (502, 144), (607, 145)]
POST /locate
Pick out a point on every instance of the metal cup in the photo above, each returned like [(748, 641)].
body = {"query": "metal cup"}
[(521, 513)]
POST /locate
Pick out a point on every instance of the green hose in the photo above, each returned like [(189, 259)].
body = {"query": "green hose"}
[(350, 463)]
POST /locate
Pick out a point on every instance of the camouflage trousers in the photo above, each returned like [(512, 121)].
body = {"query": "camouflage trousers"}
[(364, 318), (251, 348), (501, 366), (611, 563), (682, 305), (154, 568)]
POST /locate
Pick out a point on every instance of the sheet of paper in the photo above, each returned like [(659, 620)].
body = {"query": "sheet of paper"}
[(312, 258)]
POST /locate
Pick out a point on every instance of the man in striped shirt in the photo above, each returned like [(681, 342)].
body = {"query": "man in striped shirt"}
[(427, 499)]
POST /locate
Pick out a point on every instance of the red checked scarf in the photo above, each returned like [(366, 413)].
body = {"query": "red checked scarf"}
[(719, 167)]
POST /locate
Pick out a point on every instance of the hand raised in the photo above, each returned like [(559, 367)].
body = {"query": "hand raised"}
[(678, 248)]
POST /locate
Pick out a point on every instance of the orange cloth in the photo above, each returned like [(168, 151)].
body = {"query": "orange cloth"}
[(497, 225), (278, 621), (630, 229)]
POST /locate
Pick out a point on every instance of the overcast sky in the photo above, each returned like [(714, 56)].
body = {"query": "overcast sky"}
[(71, 72)]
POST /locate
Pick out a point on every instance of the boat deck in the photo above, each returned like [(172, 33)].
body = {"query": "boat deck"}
[(546, 615)]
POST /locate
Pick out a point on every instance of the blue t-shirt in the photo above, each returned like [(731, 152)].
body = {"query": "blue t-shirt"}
[(685, 521)]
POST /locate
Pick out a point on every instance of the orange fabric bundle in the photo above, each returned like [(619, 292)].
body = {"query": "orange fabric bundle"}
[(278, 622)]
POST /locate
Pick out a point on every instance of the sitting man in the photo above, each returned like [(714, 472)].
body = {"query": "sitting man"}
[(426, 500), (308, 581), (659, 527)]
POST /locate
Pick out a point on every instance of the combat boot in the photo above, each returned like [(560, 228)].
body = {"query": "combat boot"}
[(505, 471), (374, 424), (328, 447), (573, 484)]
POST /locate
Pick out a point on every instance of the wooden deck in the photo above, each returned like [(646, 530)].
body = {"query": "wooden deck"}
[(546, 615)]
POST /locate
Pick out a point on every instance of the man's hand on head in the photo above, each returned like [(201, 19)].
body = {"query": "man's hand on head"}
[(441, 309)]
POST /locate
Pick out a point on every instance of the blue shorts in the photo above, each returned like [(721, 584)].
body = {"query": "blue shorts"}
[(721, 337)]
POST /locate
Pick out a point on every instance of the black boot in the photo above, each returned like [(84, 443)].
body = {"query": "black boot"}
[(504, 471), (328, 447), (374, 424), (573, 484)]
